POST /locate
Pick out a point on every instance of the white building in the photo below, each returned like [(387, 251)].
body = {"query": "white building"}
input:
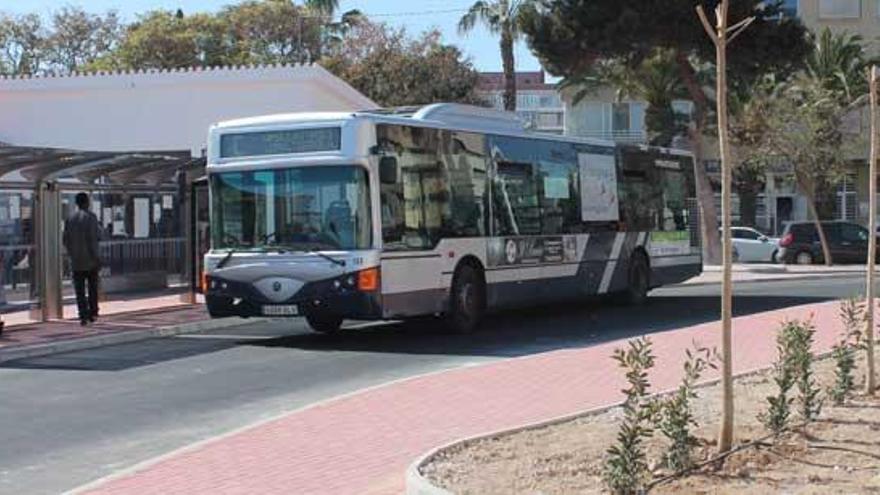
[(538, 103)]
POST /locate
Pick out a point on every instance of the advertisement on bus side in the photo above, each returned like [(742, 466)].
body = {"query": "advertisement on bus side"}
[(507, 251)]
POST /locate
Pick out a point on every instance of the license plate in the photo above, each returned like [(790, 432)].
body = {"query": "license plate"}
[(281, 310)]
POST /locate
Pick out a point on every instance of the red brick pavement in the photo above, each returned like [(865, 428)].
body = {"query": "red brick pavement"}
[(363, 443)]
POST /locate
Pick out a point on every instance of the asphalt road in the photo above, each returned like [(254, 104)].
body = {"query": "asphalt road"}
[(71, 418)]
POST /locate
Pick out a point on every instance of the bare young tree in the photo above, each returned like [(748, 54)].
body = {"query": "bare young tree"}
[(722, 34), (870, 383)]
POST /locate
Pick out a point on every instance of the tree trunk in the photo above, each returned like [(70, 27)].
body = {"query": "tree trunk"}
[(748, 206), (509, 70), (870, 384), (725, 432), (705, 196), (808, 190)]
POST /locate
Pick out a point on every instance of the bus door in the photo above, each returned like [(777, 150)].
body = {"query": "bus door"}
[(411, 225)]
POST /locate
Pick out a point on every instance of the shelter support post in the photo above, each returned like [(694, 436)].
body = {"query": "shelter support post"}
[(187, 223), (48, 239)]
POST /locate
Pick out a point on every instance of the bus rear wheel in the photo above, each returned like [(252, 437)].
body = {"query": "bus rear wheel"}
[(324, 322), (467, 300), (639, 281)]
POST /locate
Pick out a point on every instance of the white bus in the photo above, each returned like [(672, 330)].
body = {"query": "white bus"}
[(445, 210)]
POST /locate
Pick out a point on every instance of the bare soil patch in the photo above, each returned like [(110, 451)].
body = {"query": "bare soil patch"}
[(840, 453)]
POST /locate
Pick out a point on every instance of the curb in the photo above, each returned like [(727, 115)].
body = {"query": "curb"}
[(773, 278), (123, 337), (418, 484)]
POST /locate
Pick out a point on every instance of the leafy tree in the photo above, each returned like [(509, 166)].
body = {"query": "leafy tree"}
[(161, 39), (804, 130), (325, 7), (569, 37), (393, 69), (748, 126), (503, 18), (271, 31), (79, 38), (22, 44), (800, 121)]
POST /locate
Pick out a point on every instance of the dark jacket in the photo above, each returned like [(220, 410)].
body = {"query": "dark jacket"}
[(81, 240)]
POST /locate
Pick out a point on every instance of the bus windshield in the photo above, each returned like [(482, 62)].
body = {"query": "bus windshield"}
[(301, 209)]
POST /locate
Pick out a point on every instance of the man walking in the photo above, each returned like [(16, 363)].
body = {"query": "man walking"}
[(81, 241)]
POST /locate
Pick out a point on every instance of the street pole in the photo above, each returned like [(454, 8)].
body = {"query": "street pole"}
[(722, 34), (870, 384)]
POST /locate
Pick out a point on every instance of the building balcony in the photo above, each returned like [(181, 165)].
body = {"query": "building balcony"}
[(620, 136)]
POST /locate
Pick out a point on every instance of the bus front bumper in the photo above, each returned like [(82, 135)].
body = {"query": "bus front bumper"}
[(226, 298)]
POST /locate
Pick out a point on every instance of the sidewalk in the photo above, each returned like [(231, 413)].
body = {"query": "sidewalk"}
[(363, 443), (123, 320), (758, 272)]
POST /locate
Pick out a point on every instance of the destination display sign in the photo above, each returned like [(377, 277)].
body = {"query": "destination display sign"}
[(280, 142)]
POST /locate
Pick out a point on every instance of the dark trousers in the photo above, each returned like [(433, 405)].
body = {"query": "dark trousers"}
[(86, 302)]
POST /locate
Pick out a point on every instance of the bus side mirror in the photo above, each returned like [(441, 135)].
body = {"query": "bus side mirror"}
[(388, 170)]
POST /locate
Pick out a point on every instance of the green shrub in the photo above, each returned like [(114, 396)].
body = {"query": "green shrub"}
[(852, 314), (809, 399), (778, 414), (676, 415), (626, 467), (793, 367)]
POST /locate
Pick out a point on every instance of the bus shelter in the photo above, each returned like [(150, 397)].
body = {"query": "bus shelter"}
[(135, 142)]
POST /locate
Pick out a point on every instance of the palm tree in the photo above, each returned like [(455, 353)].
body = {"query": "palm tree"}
[(838, 62), (501, 17), (656, 81), (325, 7)]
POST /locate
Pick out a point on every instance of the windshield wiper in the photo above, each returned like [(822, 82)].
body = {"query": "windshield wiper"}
[(327, 257), (226, 258)]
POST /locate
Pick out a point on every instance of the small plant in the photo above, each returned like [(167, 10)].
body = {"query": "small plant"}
[(778, 414), (626, 467), (809, 400), (852, 314), (676, 415)]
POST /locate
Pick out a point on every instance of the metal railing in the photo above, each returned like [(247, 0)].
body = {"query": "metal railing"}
[(121, 257), (627, 136)]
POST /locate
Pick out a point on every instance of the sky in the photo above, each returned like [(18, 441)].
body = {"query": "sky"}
[(415, 15)]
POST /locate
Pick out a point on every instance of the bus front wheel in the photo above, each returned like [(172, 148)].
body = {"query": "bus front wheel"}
[(324, 322), (467, 301)]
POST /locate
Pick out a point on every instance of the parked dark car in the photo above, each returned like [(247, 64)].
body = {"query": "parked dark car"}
[(847, 241)]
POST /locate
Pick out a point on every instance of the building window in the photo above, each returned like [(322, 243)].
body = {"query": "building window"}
[(846, 199), (549, 119), (550, 101), (684, 108), (620, 120), (527, 101), (594, 118), (840, 9)]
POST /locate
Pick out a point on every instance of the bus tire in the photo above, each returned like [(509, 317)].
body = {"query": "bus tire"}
[(323, 322), (639, 280), (467, 299), (218, 307)]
